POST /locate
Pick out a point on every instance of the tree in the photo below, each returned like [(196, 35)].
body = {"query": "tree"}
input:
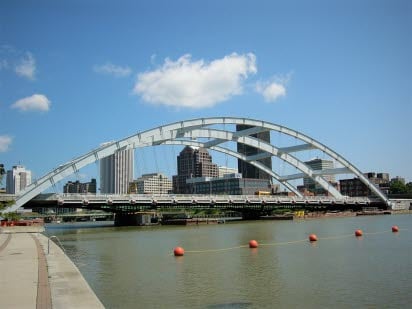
[(4, 204), (398, 187), (12, 216), (409, 187)]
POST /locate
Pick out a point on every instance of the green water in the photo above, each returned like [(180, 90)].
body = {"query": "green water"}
[(134, 267)]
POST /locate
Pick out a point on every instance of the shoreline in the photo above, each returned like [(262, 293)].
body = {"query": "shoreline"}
[(308, 216), (29, 261), (349, 214)]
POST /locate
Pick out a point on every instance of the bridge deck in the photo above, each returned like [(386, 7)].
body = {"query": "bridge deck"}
[(140, 202)]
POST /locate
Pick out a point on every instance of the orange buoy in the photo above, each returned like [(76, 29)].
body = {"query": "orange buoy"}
[(313, 237), (253, 244), (179, 251), (395, 228), (358, 233)]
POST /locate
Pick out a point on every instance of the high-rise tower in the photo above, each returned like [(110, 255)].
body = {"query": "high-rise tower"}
[(18, 178), (193, 162), (116, 171), (246, 169)]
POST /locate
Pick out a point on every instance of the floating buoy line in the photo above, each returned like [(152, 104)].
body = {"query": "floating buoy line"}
[(253, 244)]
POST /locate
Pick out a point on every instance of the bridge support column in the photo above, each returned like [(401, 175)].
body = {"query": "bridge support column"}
[(135, 218)]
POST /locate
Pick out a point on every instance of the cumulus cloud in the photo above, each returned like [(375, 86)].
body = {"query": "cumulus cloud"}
[(27, 66), (37, 102), (195, 84), (5, 142), (271, 91), (111, 69)]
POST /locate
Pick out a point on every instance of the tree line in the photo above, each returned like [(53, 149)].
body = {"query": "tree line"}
[(398, 187)]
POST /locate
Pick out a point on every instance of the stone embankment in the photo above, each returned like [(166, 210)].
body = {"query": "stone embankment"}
[(36, 273)]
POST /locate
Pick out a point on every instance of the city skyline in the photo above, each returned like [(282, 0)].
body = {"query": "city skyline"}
[(339, 72), (116, 168)]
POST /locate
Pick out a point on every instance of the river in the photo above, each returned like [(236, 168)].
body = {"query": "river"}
[(134, 267)]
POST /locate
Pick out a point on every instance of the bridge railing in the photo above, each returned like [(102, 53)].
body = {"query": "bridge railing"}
[(187, 198)]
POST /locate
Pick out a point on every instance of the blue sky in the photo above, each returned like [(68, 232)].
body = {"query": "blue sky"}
[(74, 74)]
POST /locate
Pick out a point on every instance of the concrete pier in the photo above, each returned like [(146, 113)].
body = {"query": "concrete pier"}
[(134, 218), (36, 273)]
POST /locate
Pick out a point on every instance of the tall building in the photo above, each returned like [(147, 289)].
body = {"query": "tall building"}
[(18, 178), (192, 162), (116, 172), (155, 183), (317, 165), (80, 187), (246, 169)]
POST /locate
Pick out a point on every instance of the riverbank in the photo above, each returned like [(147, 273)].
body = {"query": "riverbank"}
[(29, 262), (347, 214)]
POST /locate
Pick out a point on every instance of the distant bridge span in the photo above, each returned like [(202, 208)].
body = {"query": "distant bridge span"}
[(200, 132)]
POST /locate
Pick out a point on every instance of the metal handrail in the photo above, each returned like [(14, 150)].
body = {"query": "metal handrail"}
[(48, 243)]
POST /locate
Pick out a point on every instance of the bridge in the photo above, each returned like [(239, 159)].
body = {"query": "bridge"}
[(142, 202), (214, 134)]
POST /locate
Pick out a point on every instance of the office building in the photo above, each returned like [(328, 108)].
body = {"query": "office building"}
[(355, 187), (224, 170), (232, 184), (317, 165), (155, 183), (193, 162), (246, 169), (80, 187), (116, 172), (18, 178)]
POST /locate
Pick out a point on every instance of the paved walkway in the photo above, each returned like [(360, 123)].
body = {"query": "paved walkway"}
[(32, 277)]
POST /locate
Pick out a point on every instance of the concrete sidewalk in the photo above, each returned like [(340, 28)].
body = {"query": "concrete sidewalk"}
[(23, 279), (18, 272)]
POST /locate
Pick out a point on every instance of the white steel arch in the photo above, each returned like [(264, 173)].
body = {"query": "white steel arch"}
[(184, 132)]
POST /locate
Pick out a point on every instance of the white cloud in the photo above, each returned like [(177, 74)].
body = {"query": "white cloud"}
[(195, 84), (153, 59), (27, 67), (111, 69), (271, 91), (36, 102), (5, 142)]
